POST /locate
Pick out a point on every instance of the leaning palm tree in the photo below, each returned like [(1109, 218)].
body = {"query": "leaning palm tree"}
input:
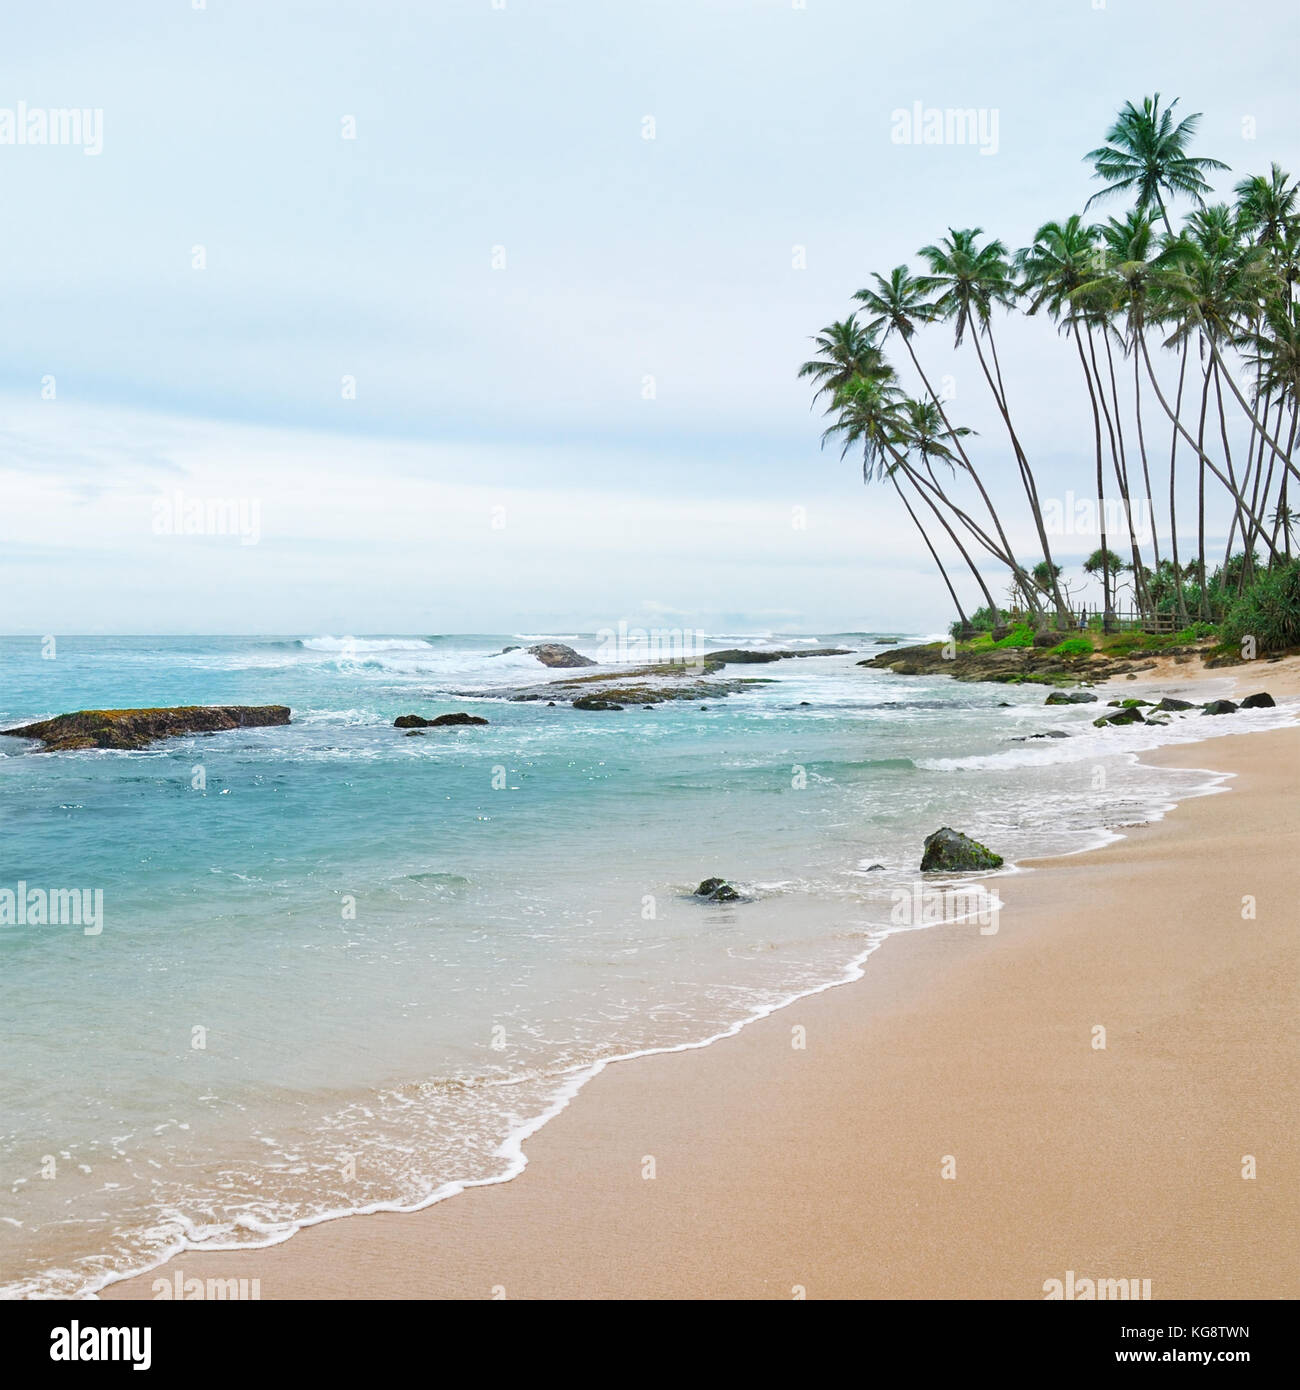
[(970, 280), (845, 351), (868, 413), (1146, 155), (901, 305)]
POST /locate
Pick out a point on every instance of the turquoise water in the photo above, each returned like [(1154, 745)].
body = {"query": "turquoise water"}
[(340, 968)]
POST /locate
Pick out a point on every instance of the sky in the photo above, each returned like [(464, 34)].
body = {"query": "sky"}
[(488, 313)]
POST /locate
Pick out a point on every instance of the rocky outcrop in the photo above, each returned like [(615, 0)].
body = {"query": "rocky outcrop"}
[(1261, 701), (952, 851), (717, 890), (1131, 715), (1009, 665), (641, 685), (1219, 707), (558, 655), (735, 656), (1070, 697), (138, 728), (1170, 703), (418, 721), (595, 702), (1050, 733)]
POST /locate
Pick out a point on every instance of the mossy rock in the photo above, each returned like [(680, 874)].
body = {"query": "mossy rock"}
[(954, 852)]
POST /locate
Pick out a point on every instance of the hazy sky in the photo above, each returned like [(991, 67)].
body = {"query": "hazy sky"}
[(507, 268)]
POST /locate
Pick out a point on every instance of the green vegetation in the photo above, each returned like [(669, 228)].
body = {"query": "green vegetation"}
[(1073, 646), (1212, 299), (1269, 611)]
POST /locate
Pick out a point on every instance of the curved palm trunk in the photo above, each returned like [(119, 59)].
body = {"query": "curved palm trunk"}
[(961, 614), (1121, 477), (1026, 473), (1146, 470), (1239, 515), (1182, 429), (970, 468), (1173, 505), (1204, 605), (1108, 613), (953, 537)]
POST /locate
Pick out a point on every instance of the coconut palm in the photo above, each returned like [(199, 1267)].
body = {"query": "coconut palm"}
[(845, 351), (1145, 155), (970, 279), (901, 305)]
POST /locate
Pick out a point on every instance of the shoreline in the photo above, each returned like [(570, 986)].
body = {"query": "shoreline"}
[(434, 1251)]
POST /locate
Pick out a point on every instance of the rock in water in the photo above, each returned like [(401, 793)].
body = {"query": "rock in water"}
[(418, 721), (717, 890), (594, 702), (1132, 715), (950, 849), (1169, 703), (558, 655), (1070, 697), (137, 728), (1261, 701), (1219, 707)]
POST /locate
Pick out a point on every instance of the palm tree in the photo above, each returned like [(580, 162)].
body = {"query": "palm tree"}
[(845, 351), (970, 280), (868, 413), (1146, 155), (901, 305)]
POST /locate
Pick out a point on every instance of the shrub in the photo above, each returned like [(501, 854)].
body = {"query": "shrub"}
[(1017, 637), (1269, 611), (1073, 646)]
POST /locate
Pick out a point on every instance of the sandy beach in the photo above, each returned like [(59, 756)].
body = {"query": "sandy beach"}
[(781, 1171)]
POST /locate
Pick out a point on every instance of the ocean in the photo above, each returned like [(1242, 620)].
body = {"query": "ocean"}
[(341, 969)]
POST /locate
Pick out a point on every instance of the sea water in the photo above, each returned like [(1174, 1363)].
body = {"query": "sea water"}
[(343, 969)]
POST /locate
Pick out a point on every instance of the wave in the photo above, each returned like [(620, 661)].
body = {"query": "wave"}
[(363, 644)]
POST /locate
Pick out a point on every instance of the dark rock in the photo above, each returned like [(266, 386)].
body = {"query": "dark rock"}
[(717, 890), (556, 654), (1261, 701), (1219, 707), (418, 721), (414, 733), (137, 728), (1071, 697), (950, 849), (1170, 703), (733, 656), (1128, 704), (550, 704), (594, 702), (1048, 639), (873, 868), (1132, 715)]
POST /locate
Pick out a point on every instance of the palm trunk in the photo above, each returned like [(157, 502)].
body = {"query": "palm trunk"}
[(1173, 505), (1026, 473), (970, 467), (961, 614), (1108, 615)]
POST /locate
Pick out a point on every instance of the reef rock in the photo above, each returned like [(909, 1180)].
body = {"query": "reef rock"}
[(951, 850), (137, 728)]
